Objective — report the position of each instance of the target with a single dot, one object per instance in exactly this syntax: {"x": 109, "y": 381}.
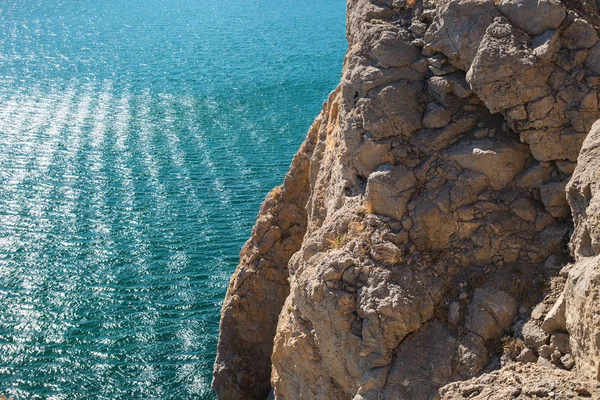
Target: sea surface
{"x": 137, "y": 140}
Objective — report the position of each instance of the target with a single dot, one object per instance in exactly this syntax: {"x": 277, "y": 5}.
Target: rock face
{"x": 428, "y": 211}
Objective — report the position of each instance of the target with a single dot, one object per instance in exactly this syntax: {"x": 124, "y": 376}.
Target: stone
{"x": 443, "y": 70}
{"x": 546, "y": 45}
{"x": 431, "y": 227}
{"x": 560, "y": 341}
{"x": 566, "y": 167}
{"x": 583, "y": 199}
{"x": 540, "y": 108}
{"x": 417, "y": 27}
{"x": 534, "y": 176}
{"x": 371, "y": 155}
{"x": 389, "y": 189}
{"x": 555, "y": 199}
{"x": 436, "y": 116}
{"x": 454, "y": 313}
{"x": 544, "y": 362}
{"x": 524, "y": 209}
{"x": 387, "y": 252}
{"x": 391, "y": 48}
{"x": 490, "y": 313}
{"x": 567, "y": 361}
{"x": 545, "y": 351}
{"x": 520, "y": 381}
{"x": 517, "y": 113}
{"x": 392, "y": 110}
{"x": 453, "y": 32}
{"x": 555, "y": 320}
{"x": 534, "y": 336}
{"x": 499, "y": 161}
{"x": 593, "y": 59}
{"x": 555, "y": 358}
{"x": 526, "y": 356}
{"x": 579, "y": 35}
{"x": 415, "y": 367}
{"x": 505, "y": 73}
{"x": 534, "y": 16}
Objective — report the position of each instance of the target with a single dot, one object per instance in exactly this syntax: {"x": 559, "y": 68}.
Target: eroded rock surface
{"x": 428, "y": 212}
{"x": 529, "y": 381}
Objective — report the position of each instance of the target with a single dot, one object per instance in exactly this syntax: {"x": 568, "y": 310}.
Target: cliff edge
{"x": 438, "y": 233}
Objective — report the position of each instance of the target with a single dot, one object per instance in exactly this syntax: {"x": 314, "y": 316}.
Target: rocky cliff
{"x": 438, "y": 233}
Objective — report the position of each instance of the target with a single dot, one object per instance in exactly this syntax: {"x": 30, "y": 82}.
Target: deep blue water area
{"x": 137, "y": 140}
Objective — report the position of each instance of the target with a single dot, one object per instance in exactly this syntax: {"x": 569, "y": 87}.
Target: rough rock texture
{"x": 582, "y": 291}
{"x": 529, "y": 381}
{"x": 427, "y": 213}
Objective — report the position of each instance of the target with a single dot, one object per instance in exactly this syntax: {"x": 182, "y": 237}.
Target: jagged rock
{"x": 389, "y": 189}
{"x": 593, "y": 59}
{"x": 555, "y": 358}
{"x": 490, "y": 313}
{"x": 565, "y": 166}
{"x": 560, "y": 341}
{"x": 525, "y": 209}
{"x": 371, "y": 155}
{"x": 432, "y": 228}
{"x": 567, "y": 361}
{"x": 527, "y": 381}
{"x": 390, "y": 47}
{"x": 534, "y": 176}
{"x": 453, "y": 32}
{"x": 534, "y": 16}
{"x": 499, "y": 161}
{"x": 436, "y": 116}
{"x": 555, "y": 320}
{"x": 387, "y": 252}
{"x": 393, "y": 110}
{"x": 454, "y": 313}
{"x": 545, "y": 351}
{"x": 555, "y": 199}
{"x": 544, "y": 362}
{"x": 580, "y": 34}
{"x": 416, "y": 367}
{"x": 534, "y": 336}
{"x": 583, "y": 315}
{"x": 505, "y": 73}
{"x": 526, "y": 356}
{"x": 582, "y": 196}
{"x": 545, "y": 46}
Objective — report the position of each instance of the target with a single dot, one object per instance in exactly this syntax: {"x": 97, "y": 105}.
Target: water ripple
{"x": 137, "y": 141}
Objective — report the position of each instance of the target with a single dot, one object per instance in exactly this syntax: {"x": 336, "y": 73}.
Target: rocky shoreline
{"x": 438, "y": 233}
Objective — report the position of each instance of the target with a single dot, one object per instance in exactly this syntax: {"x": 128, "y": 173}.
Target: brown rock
{"x": 389, "y": 189}
{"x": 490, "y": 313}
{"x": 505, "y": 73}
{"x": 499, "y": 161}
{"x": 453, "y": 32}
{"x": 555, "y": 199}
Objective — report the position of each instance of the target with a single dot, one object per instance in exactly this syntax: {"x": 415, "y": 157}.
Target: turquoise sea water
{"x": 137, "y": 140}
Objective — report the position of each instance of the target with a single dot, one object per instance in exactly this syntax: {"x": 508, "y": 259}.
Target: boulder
{"x": 458, "y": 28}
{"x": 534, "y": 16}
{"x": 505, "y": 73}
{"x": 490, "y": 314}
{"x": 389, "y": 189}
{"x": 500, "y": 161}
